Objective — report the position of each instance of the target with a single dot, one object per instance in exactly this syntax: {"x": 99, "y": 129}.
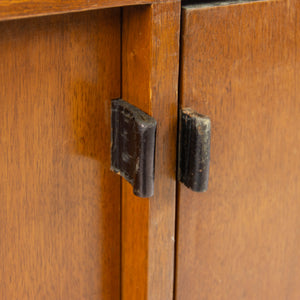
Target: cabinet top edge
{"x": 214, "y": 4}
{"x": 21, "y": 9}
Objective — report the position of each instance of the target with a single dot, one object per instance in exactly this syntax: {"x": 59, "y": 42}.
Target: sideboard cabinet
{"x": 73, "y": 229}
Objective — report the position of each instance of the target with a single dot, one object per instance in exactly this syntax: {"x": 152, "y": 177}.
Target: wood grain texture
{"x": 150, "y": 62}
{"x": 240, "y": 66}
{"x": 15, "y": 9}
{"x": 60, "y": 203}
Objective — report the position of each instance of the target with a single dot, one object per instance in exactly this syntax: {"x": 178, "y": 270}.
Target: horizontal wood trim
{"x": 27, "y": 8}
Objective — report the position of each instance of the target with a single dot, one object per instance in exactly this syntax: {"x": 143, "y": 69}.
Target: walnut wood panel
{"x": 241, "y": 239}
{"x": 14, "y": 9}
{"x": 60, "y": 203}
{"x": 149, "y": 81}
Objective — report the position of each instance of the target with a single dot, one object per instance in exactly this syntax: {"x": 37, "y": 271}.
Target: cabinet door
{"x": 59, "y": 201}
{"x": 240, "y": 66}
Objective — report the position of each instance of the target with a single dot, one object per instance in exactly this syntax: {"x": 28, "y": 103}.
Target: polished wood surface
{"x": 241, "y": 66}
{"x": 150, "y": 60}
{"x": 60, "y": 203}
{"x": 15, "y": 9}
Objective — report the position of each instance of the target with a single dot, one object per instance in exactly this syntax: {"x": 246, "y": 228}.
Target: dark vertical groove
{"x": 177, "y": 159}
{"x": 121, "y": 84}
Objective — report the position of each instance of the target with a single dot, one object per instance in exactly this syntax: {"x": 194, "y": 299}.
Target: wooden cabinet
{"x": 71, "y": 228}
{"x": 240, "y": 239}
{"x": 60, "y": 207}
